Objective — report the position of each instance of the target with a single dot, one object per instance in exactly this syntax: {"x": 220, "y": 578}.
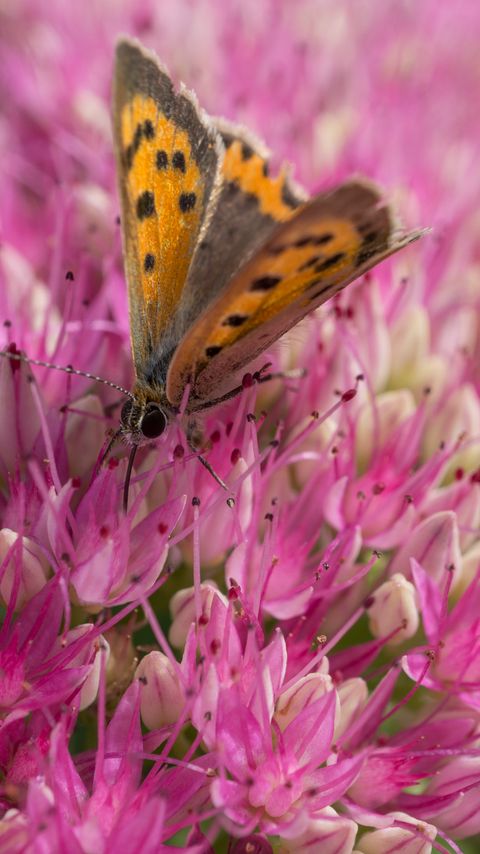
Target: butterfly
{"x": 221, "y": 258}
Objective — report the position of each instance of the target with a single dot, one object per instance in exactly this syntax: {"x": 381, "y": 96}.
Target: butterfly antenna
{"x": 15, "y": 355}
{"x": 126, "y": 485}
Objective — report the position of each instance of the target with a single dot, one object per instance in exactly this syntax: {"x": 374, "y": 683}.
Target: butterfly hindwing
{"x": 327, "y": 243}
{"x": 168, "y": 161}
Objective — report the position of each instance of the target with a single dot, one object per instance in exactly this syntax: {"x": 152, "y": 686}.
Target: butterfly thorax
{"x": 146, "y": 414}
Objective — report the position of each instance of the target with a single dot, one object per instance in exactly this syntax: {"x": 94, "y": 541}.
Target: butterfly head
{"x": 143, "y": 420}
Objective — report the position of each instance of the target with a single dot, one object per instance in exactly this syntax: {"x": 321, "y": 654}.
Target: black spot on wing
{"x": 137, "y": 137}
{"x": 187, "y": 201}
{"x": 178, "y": 161}
{"x": 145, "y": 205}
{"x": 235, "y": 320}
{"x": 213, "y": 350}
{"x": 161, "y": 159}
{"x": 322, "y": 239}
{"x": 247, "y": 151}
{"x": 265, "y": 283}
{"x": 323, "y": 266}
{"x": 148, "y": 129}
{"x": 319, "y": 293}
{"x": 149, "y": 262}
{"x": 314, "y": 240}
{"x": 128, "y": 154}
{"x": 310, "y": 263}
{"x": 306, "y": 240}
{"x": 288, "y": 198}
{"x": 371, "y": 245}
{"x": 365, "y": 254}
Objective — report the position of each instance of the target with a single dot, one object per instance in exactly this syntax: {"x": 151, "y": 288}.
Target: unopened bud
{"x": 328, "y": 831}
{"x": 84, "y": 434}
{"x": 182, "y": 609}
{"x": 89, "y": 691}
{"x": 301, "y": 694}
{"x": 122, "y": 659}
{"x": 460, "y": 817}
{"x": 409, "y": 336}
{"x": 353, "y": 696}
{"x": 161, "y": 695}
{"x": 394, "y": 610}
{"x": 26, "y": 570}
{"x": 376, "y": 425}
{"x": 459, "y": 416}
{"x": 393, "y": 839}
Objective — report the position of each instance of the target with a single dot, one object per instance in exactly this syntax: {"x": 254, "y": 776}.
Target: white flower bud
{"x": 301, "y": 694}
{"x": 458, "y": 417}
{"x": 353, "y": 696}
{"x": 432, "y": 374}
{"x": 122, "y": 660}
{"x": 84, "y": 435}
{"x": 92, "y": 217}
{"x": 394, "y": 607}
{"x": 312, "y": 447}
{"x": 27, "y": 560}
{"x": 329, "y": 833}
{"x": 182, "y": 609}
{"x": 99, "y": 646}
{"x": 89, "y": 691}
{"x": 434, "y": 543}
{"x": 410, "y": 337}
{"x": 376, "y": 425}
{"x": 393, "y": 839}
{"x": 161, "y": 695}
{"x": 470, "y": 566}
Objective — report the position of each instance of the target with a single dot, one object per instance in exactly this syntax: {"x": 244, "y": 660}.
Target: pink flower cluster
{"x": 297, "y": 670}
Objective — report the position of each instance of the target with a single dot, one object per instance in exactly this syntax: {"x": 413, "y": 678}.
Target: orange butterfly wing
{"x": 326, "y": 244}
{"x": 169, "y": 166}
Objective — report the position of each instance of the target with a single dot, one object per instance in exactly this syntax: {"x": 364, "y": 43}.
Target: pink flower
{"x": 40, "y": 668}
{"x": 273, "y": 779}
{"x": 454, "y": 640}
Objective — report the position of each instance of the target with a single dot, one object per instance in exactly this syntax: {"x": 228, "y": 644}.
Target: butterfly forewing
{"x": 325, "y": 245}
{"x": 168, "y": 161}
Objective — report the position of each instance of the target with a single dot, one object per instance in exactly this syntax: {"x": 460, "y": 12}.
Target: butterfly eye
{"x": 153, "y": 422}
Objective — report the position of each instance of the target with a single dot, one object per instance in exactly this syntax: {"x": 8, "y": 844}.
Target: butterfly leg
{"x": 294, "y": 374}
{"x": 194, "y": 439}
{"x": 251, "y": 379}
{"x": 212, "y": 471}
